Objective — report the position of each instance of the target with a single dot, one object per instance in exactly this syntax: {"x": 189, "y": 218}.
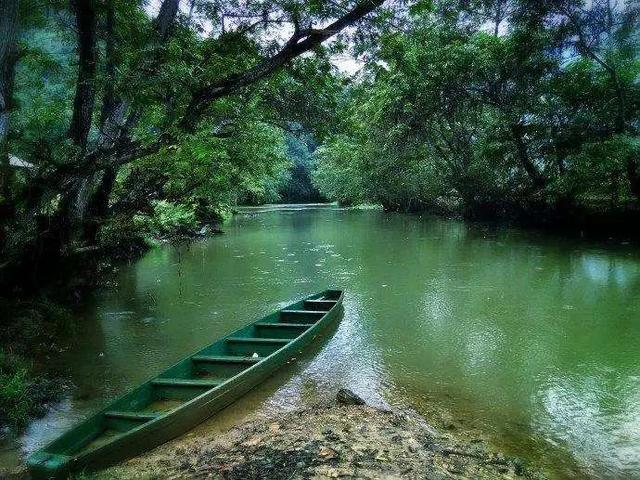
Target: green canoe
{"x": 189, "y": 392}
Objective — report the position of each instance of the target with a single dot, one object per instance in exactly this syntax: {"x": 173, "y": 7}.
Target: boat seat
{"x": 303, "y": 312}
{"x": 124, "y": 421}
{"x": 321, "y": 305}
{"x": 182, "y": 388}
{"x": 186, "y": 382}
{"x": 223, "y": 366}
{"x": 283, "y": 325}
{"x": 254, "y": 346}
{"x": 137, "y": 416}
{"x": 289, "y": 331}
{"x": 300, "y": 316}
{"x": 270, "y": 341}
{"x": 224, "y": 359}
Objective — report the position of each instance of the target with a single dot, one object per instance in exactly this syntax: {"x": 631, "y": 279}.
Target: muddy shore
{"x": 332, "y": 440}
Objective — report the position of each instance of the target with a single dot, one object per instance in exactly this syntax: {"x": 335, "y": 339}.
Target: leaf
{"x": 420, "y": 7}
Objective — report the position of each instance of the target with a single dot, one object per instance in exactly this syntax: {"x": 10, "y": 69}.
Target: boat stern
{"x": 44, "y": 465}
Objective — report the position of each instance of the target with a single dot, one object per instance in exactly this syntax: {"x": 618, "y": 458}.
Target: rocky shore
{"x": 344, "y": 439}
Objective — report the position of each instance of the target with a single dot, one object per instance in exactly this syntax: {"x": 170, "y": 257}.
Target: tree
{"x": 149, "y": 88}
{"x": 497, "y": 107}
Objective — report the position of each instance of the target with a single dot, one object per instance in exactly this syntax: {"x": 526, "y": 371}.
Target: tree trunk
{"x": 166, "y": 17}
{"x": 108, "y": 99}
{"x": 114, "y": 108}
{"x": 634, "y": 178}
{"x": 115, "y": 125}
{"x": 8, "y": 58}
{"x": 85, "y": 88}
{"x": 99, "y": 205}
{"x": 77, "y": 188}
{"x": 523, "y": 156}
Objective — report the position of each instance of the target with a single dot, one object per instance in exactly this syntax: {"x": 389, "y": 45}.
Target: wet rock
{"x": 347, "y": 397}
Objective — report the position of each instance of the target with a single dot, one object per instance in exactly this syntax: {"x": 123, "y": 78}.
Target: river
{"x": 526, "y": 338}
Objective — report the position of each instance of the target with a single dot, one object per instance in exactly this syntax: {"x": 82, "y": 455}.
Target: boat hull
{"x": 44, "y": 464}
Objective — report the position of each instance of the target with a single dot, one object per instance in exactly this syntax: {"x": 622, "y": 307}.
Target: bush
{"x": 14, "y": 388}
{"x": 22, "y": 395}
{"x": 34, "y": 331}
{"x": 125, "y": 236}
{"x": 171, "y": 219}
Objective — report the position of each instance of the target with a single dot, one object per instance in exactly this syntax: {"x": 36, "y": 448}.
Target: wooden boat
{"x": 189, "y": 392}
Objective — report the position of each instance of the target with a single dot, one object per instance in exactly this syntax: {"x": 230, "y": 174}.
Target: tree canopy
{"x": 494, "y": 106}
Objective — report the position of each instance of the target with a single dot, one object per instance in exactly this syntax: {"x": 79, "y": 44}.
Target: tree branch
{"x": 301, "y": 42}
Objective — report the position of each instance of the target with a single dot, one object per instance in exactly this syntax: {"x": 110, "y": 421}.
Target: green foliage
{"x": 14, "y": 391}
{"x": 169, "y": 219}
{"x": 338, "y": 175}
{"x": 125, "y": 235}
{"x": 23, "y": 395}
{"x": 420, "y": 7}
{"x": 43, "y": 94}
{"x": 195, "y": 174}
{"x": 451, "y": 114}
{"x": 295, "y": 185}
{"x": 209, "y": 173}
{"x": 30, "y": 329}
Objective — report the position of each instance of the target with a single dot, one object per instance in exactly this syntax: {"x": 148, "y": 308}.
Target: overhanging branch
{"x": 302, "y": 41}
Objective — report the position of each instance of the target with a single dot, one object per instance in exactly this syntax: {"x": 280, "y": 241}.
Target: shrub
{"x": 125, "y": 235}
{"x": 22, "y": 395}
{"x": 170, "y": 219}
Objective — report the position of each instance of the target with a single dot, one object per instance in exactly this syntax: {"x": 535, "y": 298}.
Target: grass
{"x": 23, "y": 395}
{"x": 14, "y": 391}
{"x": 32, "y": 333}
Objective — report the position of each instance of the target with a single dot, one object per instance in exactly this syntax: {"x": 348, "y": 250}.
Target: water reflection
{"x": 531, "y": 338}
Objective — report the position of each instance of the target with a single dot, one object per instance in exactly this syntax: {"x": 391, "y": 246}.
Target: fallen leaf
{"x": 274, "y": 427}
{"x": 252, "y": 442}
{"x": 327, "y": 453}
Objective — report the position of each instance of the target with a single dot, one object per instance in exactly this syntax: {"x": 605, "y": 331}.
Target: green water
{"x": 527, "y": 339}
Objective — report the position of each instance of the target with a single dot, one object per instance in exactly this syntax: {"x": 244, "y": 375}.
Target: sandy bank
{"x": 327, "y": 441}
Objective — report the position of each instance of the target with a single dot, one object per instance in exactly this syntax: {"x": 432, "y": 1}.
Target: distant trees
{"x": 494, "y": 107}
{"x": 296, "y": 185}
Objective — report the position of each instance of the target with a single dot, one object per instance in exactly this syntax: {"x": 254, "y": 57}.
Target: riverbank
{"x": 330, "y": 440}
{"x": 31, "y": 336}
{"x": 37, "y": 318}
{"x": 596, "y": 220}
